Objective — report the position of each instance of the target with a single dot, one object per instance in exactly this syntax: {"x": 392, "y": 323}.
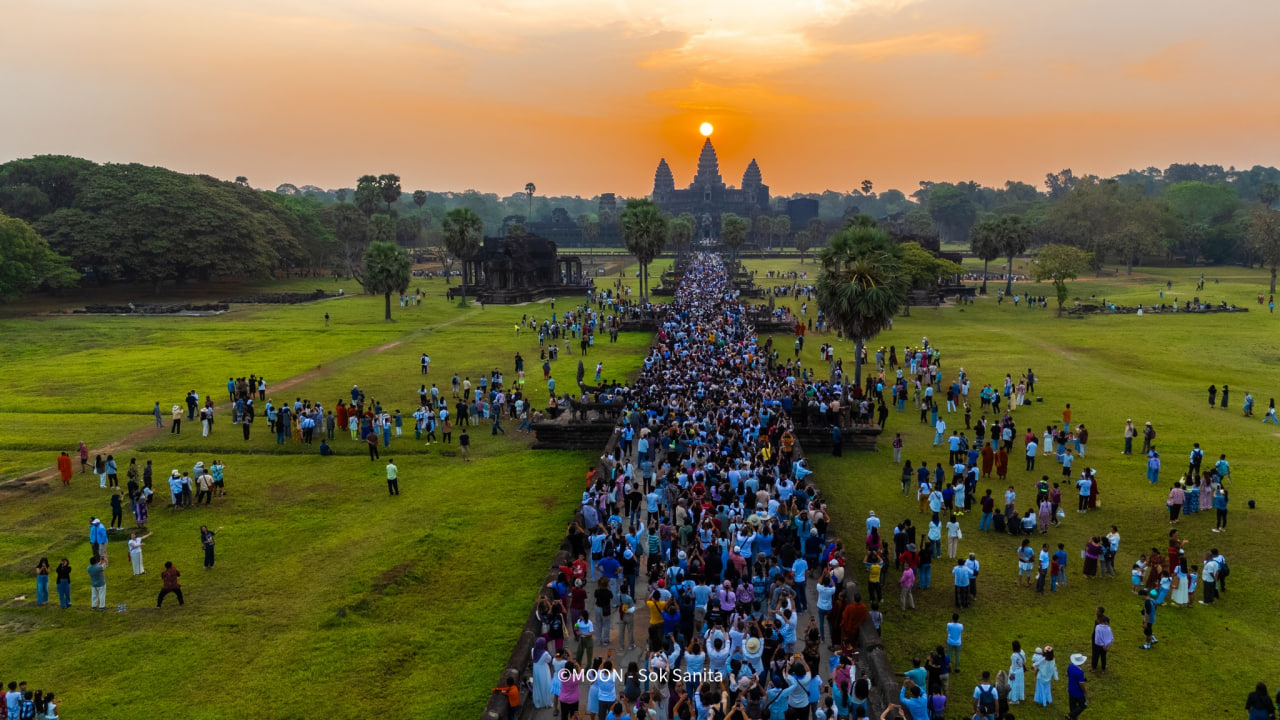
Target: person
{"x": 1259, "y": 704}
{"x": 63, "y": 572}
{"x": 955, "y": 633}
{"x": 98, "y": 538}
{"x": 50, "y": 707}
{"x": 985, "y": 697}
{"x": 169, "y": 584}
{"x": 325, "y": 450}
{"x": 512, "y": 690}
{"x": 1046, "y": 672}
{"x": 42, "y": 581}
{"x": 542, "y": 661}
{"x": 1102, "y": 639}
{"x": 913, "y": 700}
{"x": 1149, "y": 605}
{"x": 464, "y": 444}
{"x": 1220, "y": 499}
{"x": 97, "y": 584}
{"x": 135, "y": 552}
{"x": 1017, "y": 674}
{"x": 326, "y": 319}
{"x": 1077, "y": 688}
{"x": 206, "y": 541}
{"x": 64, "y": 468}
{"x": 393, "y": 477}
{"x": 371, "y": 439}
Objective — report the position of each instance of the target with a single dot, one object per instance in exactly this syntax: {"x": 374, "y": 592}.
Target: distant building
{"x": 521, "y": 269}
{"x": 801, "y": 211}
{"x": 560, "y": 229}
{"x": 708, "y": 195}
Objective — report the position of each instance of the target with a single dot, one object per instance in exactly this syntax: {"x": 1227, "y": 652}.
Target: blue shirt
{"x": 1075, "y": 676}
{"x": 800, "y": 567}
{"x": 954, "y": 631}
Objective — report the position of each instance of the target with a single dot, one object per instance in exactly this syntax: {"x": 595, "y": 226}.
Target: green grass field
{"x": 323, "y": 582}
{"x": 409, "y": 605}
{"x": 1109, "y": 368}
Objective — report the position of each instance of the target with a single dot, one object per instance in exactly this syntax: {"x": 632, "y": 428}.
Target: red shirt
{"x": 170, "y": 578}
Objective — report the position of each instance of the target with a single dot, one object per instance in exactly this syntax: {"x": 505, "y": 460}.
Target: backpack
{"x": 986, "y": 698}
{"x": 1223, "y": 570}
{"x": 28, "y": 710}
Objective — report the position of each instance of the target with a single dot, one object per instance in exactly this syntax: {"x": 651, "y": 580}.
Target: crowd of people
{"x": 704, "y": 522}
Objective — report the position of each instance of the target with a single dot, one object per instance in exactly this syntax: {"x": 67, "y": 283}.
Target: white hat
{"x": 1077, "y": 659}
{"x": 752, "y": 645}
{"x": 871, "y": 514}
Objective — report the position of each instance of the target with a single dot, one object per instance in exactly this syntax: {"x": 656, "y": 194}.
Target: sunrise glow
{"x": 705, "y": 129}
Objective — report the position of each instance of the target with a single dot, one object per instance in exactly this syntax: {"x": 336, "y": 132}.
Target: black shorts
{"x": 1066, "y": 471}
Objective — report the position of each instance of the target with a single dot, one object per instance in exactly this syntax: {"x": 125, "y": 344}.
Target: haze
{"x": 585, "y": 97}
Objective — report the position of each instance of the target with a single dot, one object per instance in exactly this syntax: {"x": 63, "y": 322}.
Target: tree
{"x": 386, "y": 271}
{"x": 242, "y": 181}
{"x": 680, "y": 233}
{"x": 351, "y": 229}
{"x": 803, "y": 241}
{"x": 1014, "y": 235}
{"x": 368, "y": 194}
{"x": 984, "y": 241}
{"x": 922, "y": 269}
{"x": 462, "y": 228}
{"x": 782, "y": 229}
{"x": 27, "y": 262}
{"x": 389, "y": 189}
{"x": 644, "y": 232}
{"x": 1269, "y": 193}
{"x": 341, "y": 195}
{"x": 419, "y": 198}
{"x": 861, "y": 286}
{"x": 1060, "y": 263}
{"x": 1264, "y": 239}
{"x": 529, "y": 190}
{"x": 1203, "y": 215}
{"x": 733, "y": 232}
{"x": 408, "y": 231}
{"x": 762, "y": 228}
{"x": 1060, "y": 183}
{"x": 381, "y": 229}
{"x": 952, "y": 212}
{"x": 867, "y": 187}
{"x": 590, "y": 227}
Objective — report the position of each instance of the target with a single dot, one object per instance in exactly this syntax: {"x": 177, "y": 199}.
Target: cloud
{"x": 1170, "y": 64}
{"x": 968, "y": 43}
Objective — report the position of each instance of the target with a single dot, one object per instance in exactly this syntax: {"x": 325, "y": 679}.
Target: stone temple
{"x": 708, "y": 195}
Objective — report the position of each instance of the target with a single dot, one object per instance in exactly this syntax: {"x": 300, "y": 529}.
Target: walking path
{"x": 711, "y": 442}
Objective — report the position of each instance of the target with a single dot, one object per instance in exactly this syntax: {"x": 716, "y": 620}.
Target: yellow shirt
{"x": 655, "y": 611}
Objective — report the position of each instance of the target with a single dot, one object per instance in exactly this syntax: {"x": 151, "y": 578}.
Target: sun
{"x": 705, "y": 129}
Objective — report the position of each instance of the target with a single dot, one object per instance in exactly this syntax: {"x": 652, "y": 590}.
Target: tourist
{"x": 1077, "y": 691}
{"x": 1259, "y": 703}
{"x": 393, "y": 477}
{"x": 1046, "y": 672}
{"x": 98, "y": 539}
{"x": 206, "y": 541}
{"x": 97, "y": 584}
{"x": 135, "y": 552}
{"x": 169, "y": 584}
{"x": 42, "y": 581}
{"x": 63, "y": 572}
{"x": 1017, "y": 674}
{"x": 1149, "y": 605}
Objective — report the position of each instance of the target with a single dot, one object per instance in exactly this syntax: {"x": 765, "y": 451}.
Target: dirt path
{"x": 49, "y": 474}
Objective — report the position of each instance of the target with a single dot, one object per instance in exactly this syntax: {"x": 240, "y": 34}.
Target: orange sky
{"x": 584, "y": 97}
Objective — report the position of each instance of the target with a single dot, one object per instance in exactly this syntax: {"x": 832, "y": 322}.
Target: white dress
{"x": 135, "y": 555}
{"x": 1017, "y": 677}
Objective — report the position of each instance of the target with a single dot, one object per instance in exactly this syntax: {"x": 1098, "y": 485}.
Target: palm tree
{"x": 984, "y": 241}
{"x": 386, "y": 271}
{"x": 803, "y": 242}
{"x": 461, "y": 229}
{"x": 644, "y": 232}
{"x": 782, "y": 228}
{"x": 1014, "y": 236}
{"x": 860, "y": 287}
{"x": 529, "y": 190}
{"x": 733, "y": 232}
{"x": 419, "y": 198}
{"x": 680, "y": 233}
{"x": 763, "y": 227}
{"x": 389, "y": 189}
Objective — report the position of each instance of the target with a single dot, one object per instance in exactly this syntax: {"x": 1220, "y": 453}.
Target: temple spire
{"x": 708, "y": 166}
